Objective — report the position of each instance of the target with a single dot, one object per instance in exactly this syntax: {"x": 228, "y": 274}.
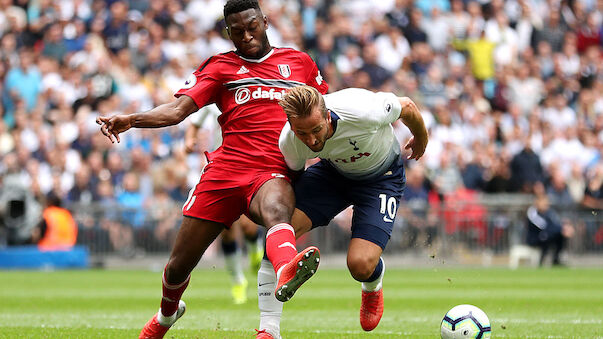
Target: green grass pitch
{"x": 529, "y": 303}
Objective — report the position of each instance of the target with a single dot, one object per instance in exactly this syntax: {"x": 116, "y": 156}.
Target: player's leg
{"x": 559, "y": 244}
{"x": 232, "y": 261}
{"x": 193, "y": 238}
{"x": 366, "y": 265}
{"x": 273, "y": 205}
{"x": 376, "y": 203}
{"x": 317, "y": 197}
{"x": 271, "y": 308}
{"x": 255, "y": 245}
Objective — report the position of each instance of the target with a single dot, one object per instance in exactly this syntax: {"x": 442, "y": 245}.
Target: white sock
{"x": 166, "y": 321}
{"x": 270, "y": 308}
{"x": 234, "y": 267}
{"x": 376, "y": 285}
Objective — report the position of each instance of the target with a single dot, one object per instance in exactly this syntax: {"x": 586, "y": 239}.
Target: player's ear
{"x": 265, "y": 22}
{"x": 228, "y": 31}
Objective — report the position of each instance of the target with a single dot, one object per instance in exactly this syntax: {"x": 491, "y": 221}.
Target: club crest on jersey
{"x": 190, "y": 81}
{"x": 285, "y": 70}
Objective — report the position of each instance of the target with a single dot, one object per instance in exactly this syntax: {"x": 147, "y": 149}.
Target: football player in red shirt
{"x": 247, "y": 174}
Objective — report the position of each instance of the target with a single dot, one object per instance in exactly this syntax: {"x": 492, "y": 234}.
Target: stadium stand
{"x": 511, "y": 92}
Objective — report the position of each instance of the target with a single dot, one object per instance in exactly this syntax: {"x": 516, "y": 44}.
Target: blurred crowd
{"x": 511, "y": 92}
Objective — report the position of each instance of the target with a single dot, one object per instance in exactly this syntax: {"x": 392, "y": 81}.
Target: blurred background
{"x": 511, "y": 93}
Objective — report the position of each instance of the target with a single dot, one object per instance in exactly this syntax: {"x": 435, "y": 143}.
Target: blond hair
{"x": 300, "y": 101}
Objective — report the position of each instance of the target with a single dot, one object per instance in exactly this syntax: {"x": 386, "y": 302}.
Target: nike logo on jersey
{"x": 287, "y": 244}
{"x": 388, "y": 173}
{"x": 277, "y": 175}
{"x": 243, "y": 70}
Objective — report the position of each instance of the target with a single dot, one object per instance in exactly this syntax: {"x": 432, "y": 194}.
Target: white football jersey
{"x": 363, "y": 145}
{"x": 207, "y": 118}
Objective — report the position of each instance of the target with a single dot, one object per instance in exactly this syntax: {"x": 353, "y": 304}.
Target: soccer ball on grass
{"x": 465, "y": 321}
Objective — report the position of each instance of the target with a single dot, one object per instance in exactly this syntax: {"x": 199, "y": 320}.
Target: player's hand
{"x": 417, "y": 146}
{"x": 190, "y": 144}
{"x": 112, "y": 126}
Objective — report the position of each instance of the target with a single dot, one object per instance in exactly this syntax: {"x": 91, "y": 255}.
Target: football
{"x": 465, "y": 321}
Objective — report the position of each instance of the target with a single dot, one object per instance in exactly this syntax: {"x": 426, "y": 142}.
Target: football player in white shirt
{"x": 361, "y": 165}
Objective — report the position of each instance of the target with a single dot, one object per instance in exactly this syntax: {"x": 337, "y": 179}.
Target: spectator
{"x": 419, "y": 220}
{"x": 481, "y": 56}
{"x": 54, "y": 46}
{"x": 498, "y": 177}
{"x": 427, "y": 6}
{"x": 526, "y": 170}
{"x": 83, "y": 192}
{"x": 377, "y": 74}
{"x": 116, "y": 30}
{"x": 438, "y": 29}
{"x": 393, "y": 48}
{"x": 75, "y": 36}
{"x": 525, "y": 90}
{"x": 557, "y": 190}
{"x": 398, "y": 16}
{"x": 132, "y": 201}
{"x": 552, "y": 31}
{"x": 23, "y": 83}
{"x": 414, "y": 31}
{"x": 58, "y": 229}
{"x": 589, "y": 33}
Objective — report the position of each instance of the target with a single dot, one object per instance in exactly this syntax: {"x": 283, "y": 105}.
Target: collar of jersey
{"x": 334, "y": 120}
{"x": 258, "y": 60}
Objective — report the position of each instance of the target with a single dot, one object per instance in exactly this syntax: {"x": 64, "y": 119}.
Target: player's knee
{"x": 276, "y": 213}
{"x": 176, "y": 271}
{"x": 361, "y": 268}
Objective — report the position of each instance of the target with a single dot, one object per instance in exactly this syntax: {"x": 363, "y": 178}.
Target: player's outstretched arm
{"x": 163, "y": 115}
{"x": 412, "y": 118}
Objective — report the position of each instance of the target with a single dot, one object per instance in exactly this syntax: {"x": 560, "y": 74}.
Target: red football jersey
{"x": 247, "y": 92}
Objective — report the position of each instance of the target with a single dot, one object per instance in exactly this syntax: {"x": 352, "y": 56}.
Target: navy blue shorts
{"x": 322, "y": 192}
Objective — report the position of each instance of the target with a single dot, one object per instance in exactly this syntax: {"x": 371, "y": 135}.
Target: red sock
{"x": 171, "y": 296}
{"x": 280, "y": 245}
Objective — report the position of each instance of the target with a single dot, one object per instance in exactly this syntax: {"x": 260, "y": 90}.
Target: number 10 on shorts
{"x": 387, "y": 206}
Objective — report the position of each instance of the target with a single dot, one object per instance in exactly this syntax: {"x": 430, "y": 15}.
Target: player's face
{"x": 247, "y": 30}
{"x": 313, "y": 130}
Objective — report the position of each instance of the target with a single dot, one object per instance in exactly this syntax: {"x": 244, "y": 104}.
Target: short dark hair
{"x": 236, "y": 6}
{"x": 52, "y": 199}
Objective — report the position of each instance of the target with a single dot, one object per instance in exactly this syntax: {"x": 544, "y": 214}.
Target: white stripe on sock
{"x": 278, "y": 227}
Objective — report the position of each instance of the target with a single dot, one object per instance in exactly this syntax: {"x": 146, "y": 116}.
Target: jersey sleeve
{"x": 294, "y": 156}
{"x": 387, "y": 107}
{"x": 366, "y": 107}
{"x": 314, "y": 78}
{"x": 202, "y": 85}
{"x": 207, "y": 112}
{"x": 197, "y": 119}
